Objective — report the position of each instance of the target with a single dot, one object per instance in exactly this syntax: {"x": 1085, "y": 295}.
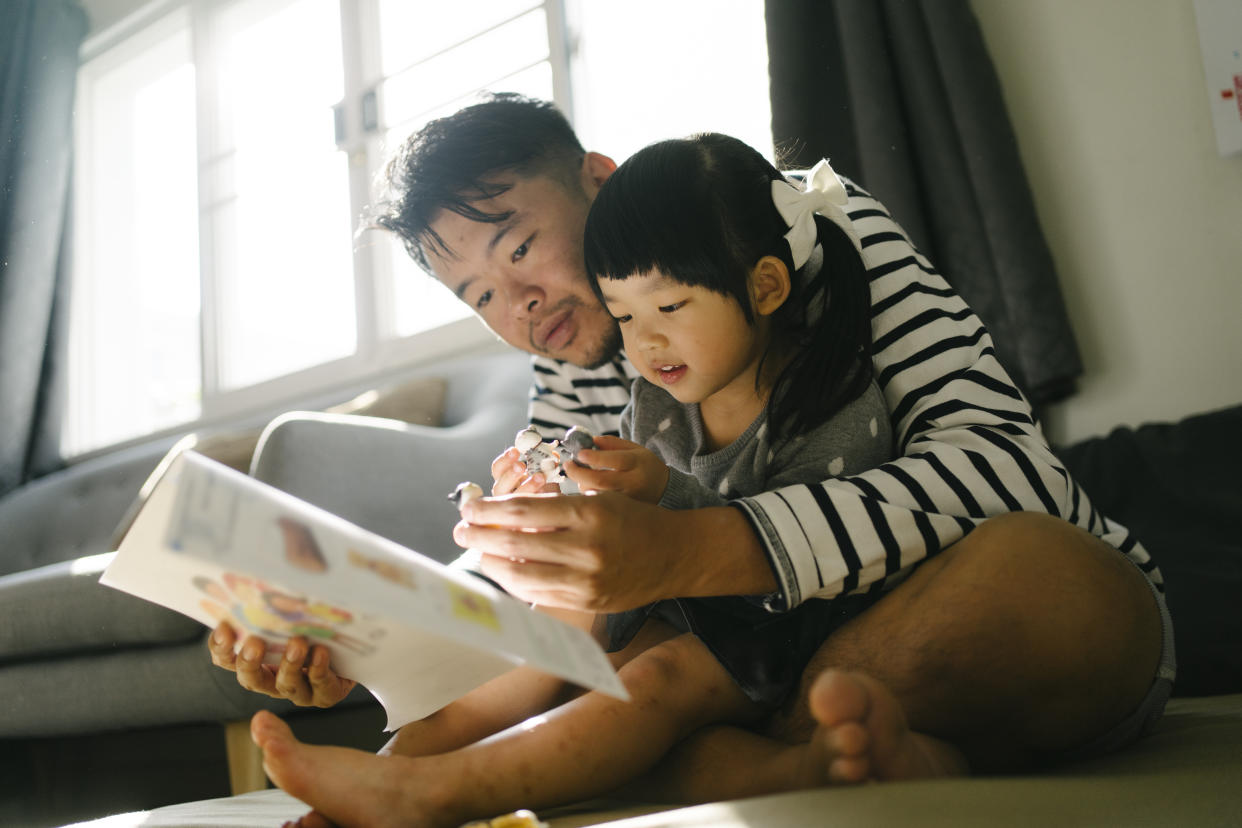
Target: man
{"x": 1004, "y": 638}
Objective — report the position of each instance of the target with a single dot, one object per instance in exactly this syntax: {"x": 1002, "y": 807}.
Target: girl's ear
{"x": 769, "y": 285}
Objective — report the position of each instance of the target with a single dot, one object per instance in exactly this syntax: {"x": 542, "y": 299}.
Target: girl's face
{"x": 692, "y": 342}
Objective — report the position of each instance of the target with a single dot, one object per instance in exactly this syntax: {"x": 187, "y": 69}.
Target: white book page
{"x": 217, "y": 545}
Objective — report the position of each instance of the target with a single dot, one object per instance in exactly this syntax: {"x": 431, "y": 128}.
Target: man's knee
{"x": 1026, "y": 595}
{"x": 1027, "y": 553}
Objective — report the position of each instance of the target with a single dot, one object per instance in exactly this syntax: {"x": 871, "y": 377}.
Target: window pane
{"x": 413, "y": 32}
{"x": 280, "y": 220}
{"x": 420, "y": 301}
{"x": 483, "y": 62}
{"x": 510, "y": 58}
{"x": 682, "y": 77}
{"x": 134, "y": 334}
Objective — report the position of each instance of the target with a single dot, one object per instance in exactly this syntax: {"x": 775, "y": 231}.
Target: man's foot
{"x": 312, "y": 820}
{"x": 862, "y": 735}
{"x": 347, "y": 787}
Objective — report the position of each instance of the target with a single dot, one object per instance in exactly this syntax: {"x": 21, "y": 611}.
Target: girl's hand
{"x": 509, "y": 476}
{"x": 617, "y": 465}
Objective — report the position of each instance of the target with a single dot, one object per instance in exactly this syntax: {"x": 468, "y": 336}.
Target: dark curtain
{"x": 901, "y": 95}
{"x": 38, "y": 65}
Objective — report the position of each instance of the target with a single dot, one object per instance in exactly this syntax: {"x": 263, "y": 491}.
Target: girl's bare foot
{"x": 348, "y": 787}
{"x": 862, "y": 735}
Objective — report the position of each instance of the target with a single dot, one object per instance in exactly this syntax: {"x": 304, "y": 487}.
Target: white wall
{"x": 1144, "y": 218}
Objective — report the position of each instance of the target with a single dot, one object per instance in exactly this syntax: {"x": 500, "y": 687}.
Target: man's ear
{"x": 769, "y": 285}
{"x": 595, "y": 171}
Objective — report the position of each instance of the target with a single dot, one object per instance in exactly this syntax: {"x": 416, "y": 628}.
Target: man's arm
{"x": 967, "y": 443}
{"x": 606, "y": 552}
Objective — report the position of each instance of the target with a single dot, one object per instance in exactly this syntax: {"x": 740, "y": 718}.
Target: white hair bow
{"x": 824, "y": 194}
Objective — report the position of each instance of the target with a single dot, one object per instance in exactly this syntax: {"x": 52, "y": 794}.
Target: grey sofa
{"x": 1175, "y": 484}
{"x": 79, "y": 658}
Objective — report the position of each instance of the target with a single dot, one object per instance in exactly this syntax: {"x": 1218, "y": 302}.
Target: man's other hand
{"x": 303, "y": 676}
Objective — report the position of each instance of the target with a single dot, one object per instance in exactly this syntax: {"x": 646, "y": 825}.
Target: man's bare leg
{"x": 862, "y": 735}
{"x": 583, "y": 748}
{"x": 1027, "y": 637}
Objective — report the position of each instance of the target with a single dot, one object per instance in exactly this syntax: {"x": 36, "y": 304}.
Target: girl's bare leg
{"x": 509, "y": 699}
{"x": 586, "y": 747}
{"x": 490, "y": 708}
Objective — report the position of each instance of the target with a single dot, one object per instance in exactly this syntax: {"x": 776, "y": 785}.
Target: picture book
{"x": 217, "y": 545}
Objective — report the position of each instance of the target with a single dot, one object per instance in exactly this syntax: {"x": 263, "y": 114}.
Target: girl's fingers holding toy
{"x": 607, "y": 442}
{"x": 508, "y": 473}
{"x": 536, "y": 484}
{"x": 590, "y": 478}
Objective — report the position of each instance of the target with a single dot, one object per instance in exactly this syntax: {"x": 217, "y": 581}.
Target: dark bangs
{"x": 663, "y": 210}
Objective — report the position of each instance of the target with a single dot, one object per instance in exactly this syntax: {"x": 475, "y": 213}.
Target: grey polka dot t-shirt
{"x": 857, "y": 438}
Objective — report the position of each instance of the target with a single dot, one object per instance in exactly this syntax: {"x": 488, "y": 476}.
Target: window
{"x": 226, "y": 148}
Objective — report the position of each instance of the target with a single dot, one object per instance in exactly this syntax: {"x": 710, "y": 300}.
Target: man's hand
{"x": 617, "y": 465}
{"x": 303, "y": 676}
{"x": 605, "y": 552}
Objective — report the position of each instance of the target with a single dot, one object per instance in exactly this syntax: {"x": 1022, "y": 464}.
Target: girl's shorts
{"x": 764, "y": 652}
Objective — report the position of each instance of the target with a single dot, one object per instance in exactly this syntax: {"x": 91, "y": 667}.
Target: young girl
{"x": 754, "y": 367}
{"x": 755, "y": 374}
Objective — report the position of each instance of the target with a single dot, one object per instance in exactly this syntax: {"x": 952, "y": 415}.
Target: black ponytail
{"x": 826, "y": 326}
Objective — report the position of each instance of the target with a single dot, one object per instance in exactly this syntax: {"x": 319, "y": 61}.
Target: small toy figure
{"x": 577, "y": 439}
{"x": 464, "y": 493}
{"x": 518, "y": 819}
{"x": 539, "y": 457}
{"x": 547, "y": 457}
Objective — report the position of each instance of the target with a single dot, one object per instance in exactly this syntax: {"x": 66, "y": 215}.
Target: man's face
{"x": 525, "y": 276}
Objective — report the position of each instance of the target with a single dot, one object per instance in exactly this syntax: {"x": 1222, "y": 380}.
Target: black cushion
{"x": 1178, "y": 487}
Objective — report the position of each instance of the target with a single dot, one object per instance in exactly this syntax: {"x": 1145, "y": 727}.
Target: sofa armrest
{"x": 388, "y": 477}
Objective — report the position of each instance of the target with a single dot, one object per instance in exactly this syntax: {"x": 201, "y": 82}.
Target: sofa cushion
{"x": 71, "y": 513}
{"x": 418, "y": 401}
{"x": 62, "y": 608}
{"x": 1176, "y": 487}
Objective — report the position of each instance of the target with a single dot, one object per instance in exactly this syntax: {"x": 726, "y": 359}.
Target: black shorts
{"x": 764, "y": 652}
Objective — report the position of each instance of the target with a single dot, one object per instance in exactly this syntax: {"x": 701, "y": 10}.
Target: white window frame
{"x": 379, "y": 352}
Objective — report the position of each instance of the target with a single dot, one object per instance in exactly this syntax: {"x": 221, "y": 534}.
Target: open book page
{"x": 216, "y": 545}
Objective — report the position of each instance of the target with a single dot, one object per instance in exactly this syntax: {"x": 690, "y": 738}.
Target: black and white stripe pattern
{"x": 966, "y": 441}
{"x": 564, "y": 395}
{"x": 968, "y": 446}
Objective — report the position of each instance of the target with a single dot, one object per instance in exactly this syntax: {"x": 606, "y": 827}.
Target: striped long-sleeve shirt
{"x": 967, "y": 445}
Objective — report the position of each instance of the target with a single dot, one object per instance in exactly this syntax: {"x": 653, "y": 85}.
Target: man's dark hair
{"x": 452, "y": 163}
